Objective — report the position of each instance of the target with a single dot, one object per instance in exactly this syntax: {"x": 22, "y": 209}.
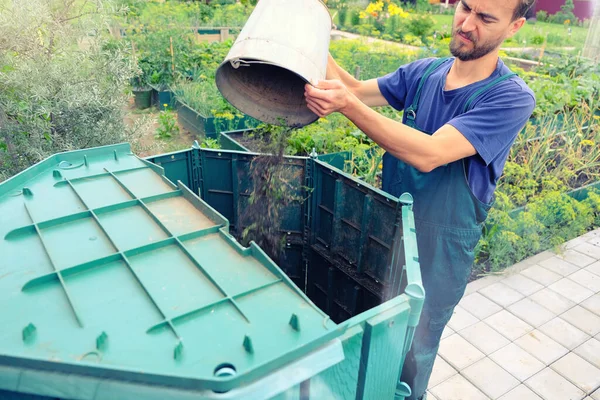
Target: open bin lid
{"x": 110, "y": 270}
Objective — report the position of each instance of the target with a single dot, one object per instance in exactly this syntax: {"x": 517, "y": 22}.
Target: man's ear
{"x": 515, "y": 26}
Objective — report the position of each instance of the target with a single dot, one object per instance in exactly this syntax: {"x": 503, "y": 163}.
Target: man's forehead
{"x": 494, "y": 7}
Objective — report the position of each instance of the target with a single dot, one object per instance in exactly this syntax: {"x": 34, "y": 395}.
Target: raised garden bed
{"x": 209, "y": 127}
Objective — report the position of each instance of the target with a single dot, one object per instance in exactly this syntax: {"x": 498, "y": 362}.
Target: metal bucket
{"x": 283, "y": 45}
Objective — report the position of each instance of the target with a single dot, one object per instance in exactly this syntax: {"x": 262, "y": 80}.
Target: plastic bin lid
{"x": 110, "y": 270}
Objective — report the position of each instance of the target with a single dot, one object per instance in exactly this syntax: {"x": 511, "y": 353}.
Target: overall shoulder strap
{"x": 486, "y": 88}
{"x": 411, "y": 111}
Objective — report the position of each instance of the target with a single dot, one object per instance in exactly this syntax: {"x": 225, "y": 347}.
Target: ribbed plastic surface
{"x": 110, "y": 270}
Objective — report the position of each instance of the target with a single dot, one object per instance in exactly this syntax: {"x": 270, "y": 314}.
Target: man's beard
{"x": 477, "y": 51}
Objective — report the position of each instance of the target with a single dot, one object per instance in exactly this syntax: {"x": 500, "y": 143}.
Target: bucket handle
{"x": 243, "y": 63}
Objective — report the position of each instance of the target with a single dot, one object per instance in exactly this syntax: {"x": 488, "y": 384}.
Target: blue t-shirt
{"x": 491, "y": 124}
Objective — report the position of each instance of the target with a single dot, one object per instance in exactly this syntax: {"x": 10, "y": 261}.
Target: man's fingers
{"x": 328, "y": 84}
{"x": 317, "y": 108}
{"x": 315, "y": 105}
{"x": 310, "y": 91}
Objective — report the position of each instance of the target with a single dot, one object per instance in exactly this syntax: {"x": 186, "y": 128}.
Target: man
{"x": 461, "y": 116}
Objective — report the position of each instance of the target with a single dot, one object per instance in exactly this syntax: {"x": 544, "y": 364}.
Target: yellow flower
{"x": 567, "y": 21}
{"x": 395, "y": 10}
{"x": 374, "y": 8}
{"x": 165, "y": 105}
{"x": 586, "y": 143}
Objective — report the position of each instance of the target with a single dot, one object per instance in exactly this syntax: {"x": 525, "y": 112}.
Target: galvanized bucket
{"x": 283, "y": 45}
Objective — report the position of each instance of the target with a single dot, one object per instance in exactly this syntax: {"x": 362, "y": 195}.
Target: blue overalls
{"x": 448, "y": 220}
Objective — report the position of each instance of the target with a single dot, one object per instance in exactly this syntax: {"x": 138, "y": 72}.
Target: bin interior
{"x": 340, "y": 242}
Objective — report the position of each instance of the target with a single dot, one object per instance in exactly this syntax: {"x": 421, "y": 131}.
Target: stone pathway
{"x": 531, "y": 334}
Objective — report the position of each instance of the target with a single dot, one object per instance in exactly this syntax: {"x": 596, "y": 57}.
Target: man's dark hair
{"x": 522, "y": 7}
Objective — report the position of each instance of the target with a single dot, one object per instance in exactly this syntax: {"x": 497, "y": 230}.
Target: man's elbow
{"x": 427, "y": 164}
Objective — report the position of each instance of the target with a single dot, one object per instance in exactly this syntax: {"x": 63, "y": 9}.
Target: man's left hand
{"x": 327, "y": 96}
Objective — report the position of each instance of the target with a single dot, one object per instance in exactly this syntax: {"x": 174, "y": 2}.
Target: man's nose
{"x": 468, "y": 24}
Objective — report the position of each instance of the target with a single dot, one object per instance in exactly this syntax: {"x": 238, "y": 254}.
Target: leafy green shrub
{"x": 546, "y": 222}
{"x": 167, "y": 125}
{"x": 420, "y": 25}
{"x": 537, "y": 39}
{"x": 61, "y": 88}
{"x": 210, "y": 143}
{"x": 541, "y": 16}
{"x": 565, "y": 15}
{"x": 342, "y": 16}
{"x": 354, "y": 16}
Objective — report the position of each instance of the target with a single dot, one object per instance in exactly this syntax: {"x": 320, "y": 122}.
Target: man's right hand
{"x": 366, "y": 91}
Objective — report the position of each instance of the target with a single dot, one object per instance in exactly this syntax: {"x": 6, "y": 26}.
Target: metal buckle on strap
{"x": 411, "y": 114}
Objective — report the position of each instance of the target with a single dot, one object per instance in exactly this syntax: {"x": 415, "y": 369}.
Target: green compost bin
{"x": 121, "y": 283}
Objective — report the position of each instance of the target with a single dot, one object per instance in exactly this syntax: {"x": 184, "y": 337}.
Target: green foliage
{"x": 546, "y": 222}
{"x": 62, "y": 81}
{"x": 374, "y": 59}
{"x": 355, "y": 16}
{"x": 210, "y": 143}
{"x": 204, "y": 97}
{"x": 420, "y": 25}
{"x": 565, "y": 15}
{"x": 541, "y": 16}
{"x": 167, "y": 124}
{"x": 342, "y": 16}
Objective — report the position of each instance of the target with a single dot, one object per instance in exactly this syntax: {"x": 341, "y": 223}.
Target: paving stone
{"x": 583, "y": 319}
{"x": 531, "y": 312}
{"x": 447, "y": 332}
{"x": 574, "y": 242}
{"x": 461, "y": 319}
{"x": 551, "y": 386}
{"x": 594, "y": 268}
{"x": 541, "y": 275}
{"x": 522, "y": 284}
{"x": 481, "y": 283}
{"x": 544, "y": 255}
{"x": 488, "y": 377}
{"x": 458, "y": 352}
{"x": 586, "y": 279}
{"x": 559, "y": 266}
{"x": 501, "y": 294}
{"x": 564, "y": 333}
{"x": 457, "y": 388}
{"x": 578, "y": 371}
{"x": 517, "y": 362}
{"x": 542, "y": 347}
{"x": 441, "y": 371}
{"x": 596, "y": 395}
{"x": 595, "y": 240}
{"x": 576, "y": 257}
{"x": 553, "y": 301}
{"x": 521, "y": 392}
{"x": 430, "y": 396}
{"x": 508, "y": 325}
{"x": 592, "y": 234}
{"x": 590, "y": 351}
{"x": 592, "y": 304}
{"x": 589, "y": 250}
{"x": 571, "y": 290}
{"x": 478, "y": 305}
{"x": 482, "y": 336}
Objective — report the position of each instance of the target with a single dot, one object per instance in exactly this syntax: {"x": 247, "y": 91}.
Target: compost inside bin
{"x": 267, "y": 92}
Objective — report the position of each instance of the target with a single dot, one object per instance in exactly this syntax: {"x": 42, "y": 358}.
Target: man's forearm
{"x": 403, "y": 142}
{"x": 334, "y": 71}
